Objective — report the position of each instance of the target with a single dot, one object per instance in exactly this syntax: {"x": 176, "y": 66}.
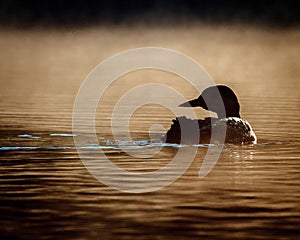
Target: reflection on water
{"x": 46, "y": 192}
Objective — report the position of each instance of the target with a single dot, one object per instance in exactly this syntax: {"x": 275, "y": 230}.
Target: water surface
{"x": 46, "y": 192}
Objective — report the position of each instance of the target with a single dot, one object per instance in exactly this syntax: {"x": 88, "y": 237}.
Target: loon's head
{"x": 227, "y": 106}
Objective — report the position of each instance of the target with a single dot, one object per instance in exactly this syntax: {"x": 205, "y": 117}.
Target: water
{"x": 47, "y": 193}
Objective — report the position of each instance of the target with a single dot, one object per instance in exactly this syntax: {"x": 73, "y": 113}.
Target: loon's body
{"x": 227, "y": 128}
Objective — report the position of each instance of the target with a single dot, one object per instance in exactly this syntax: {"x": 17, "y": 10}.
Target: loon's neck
{"x": 231, "y": 110}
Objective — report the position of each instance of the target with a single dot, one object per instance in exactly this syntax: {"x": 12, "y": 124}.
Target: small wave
{"x": 28, "y": 136}
{"x": 104, "y": 144}
{"x": 14, "y": 148}
{"x": 138, "y": 144}
{"x": 123, "y": 146}
{"x": 63, "y": 135}
{"x": 25, "y": 135}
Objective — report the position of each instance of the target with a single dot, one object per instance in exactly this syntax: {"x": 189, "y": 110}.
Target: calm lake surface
{"x": 47, "y": 193}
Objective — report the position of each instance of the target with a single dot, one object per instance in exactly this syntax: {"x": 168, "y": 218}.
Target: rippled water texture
{"x": 47, "y": 193}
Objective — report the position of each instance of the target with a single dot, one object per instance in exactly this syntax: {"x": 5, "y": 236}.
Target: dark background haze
{"x": 66, "y": 13}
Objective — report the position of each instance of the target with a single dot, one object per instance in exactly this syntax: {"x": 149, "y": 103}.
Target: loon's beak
{"x": 198, "y": 102}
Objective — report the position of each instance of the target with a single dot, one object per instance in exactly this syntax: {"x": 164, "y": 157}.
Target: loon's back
{"x": 238, "y": 131}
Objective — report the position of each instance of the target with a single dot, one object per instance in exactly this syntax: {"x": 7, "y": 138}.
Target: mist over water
{"x": 46, "y": 192}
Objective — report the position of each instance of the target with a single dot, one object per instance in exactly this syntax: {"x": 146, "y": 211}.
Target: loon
{"x": 238, "y": 130}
